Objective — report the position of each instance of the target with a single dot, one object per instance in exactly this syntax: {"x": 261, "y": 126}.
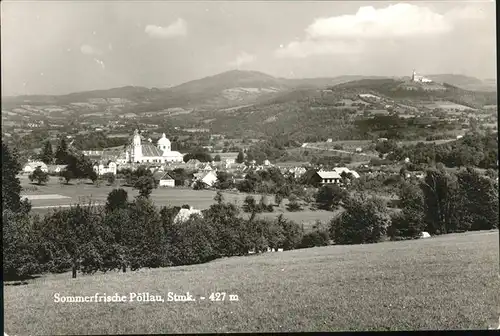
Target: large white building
{"x": 420, "y": 79}
{"x": 146, "y": 152}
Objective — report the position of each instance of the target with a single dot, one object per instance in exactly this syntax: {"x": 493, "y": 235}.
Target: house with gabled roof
{"x": 165, "y": 180}
{"x": 207, "y": 177}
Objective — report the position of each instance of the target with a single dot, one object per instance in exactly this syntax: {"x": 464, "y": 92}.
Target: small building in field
{"x": 31, "y": 166}
{"x": 166, "y": 181}
{"x": 327, "y": 177}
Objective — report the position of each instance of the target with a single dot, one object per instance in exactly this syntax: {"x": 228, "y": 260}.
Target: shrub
{"x": 39, "y": 175}
{"x": 315, "y": 238}
{"x": 365, "y": 220}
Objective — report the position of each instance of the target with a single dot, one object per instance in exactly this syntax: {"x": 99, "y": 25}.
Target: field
{"x": 54, "y": 195}
{"x": 446, "y": 105}
{"x": 446, "y": 282}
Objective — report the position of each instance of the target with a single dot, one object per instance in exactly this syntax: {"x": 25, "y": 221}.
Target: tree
{"x": 75, "y": 235}
{"x": 240, "y": 158}
{"x": 219, "y": 198}
{"x": 441, "y": 204}
{"x": 199, "y": 154}
{"x": 145, "y": 185}
{"x": 224, "y": 180}
{"x": 292, "y": 233}
{"x": 479, "y": 196}
{"x": 195, "y": 242}
{"x": 39, "y": 175}
{"x": 217, "y": 158}
{"x": 67, "y": 175}
{"x": 146, "y": 235}
{"x": 365, "y": 220}
{"x": 62, "y": 153}
{"x": 249, "y": 204}
{"x": 110, "y": 178}
{"x": 409, "y": 223}
{"x": 117, "y": 199}
{"x": 19, "y": 246}
{"x": 11, "y": 187}
{"x": 293, "y": 204}
{"x": 330, "y": 196}
{"x": 47, "y": 155}
{"x": 199, "y": 185}
{"x": 278, "y": 199}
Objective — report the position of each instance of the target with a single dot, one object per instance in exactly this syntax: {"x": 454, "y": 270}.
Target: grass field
{"x": 446, "y": 282}
{"x": 53, "y": 195}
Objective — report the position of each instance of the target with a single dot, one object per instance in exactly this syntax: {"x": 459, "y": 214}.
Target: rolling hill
{"x": 246, "y": 102}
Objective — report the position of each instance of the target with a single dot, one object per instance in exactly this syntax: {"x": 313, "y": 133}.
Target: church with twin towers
{"x": 141, "y": 150}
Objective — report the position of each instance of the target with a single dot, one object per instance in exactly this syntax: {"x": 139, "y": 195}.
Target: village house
{"x": 104, "y": 167}
{"x": 327, "y": 177}
{"x": 166, "y": 181}
{"x": 31, "y": 166}
{"x": 208, "y": 177}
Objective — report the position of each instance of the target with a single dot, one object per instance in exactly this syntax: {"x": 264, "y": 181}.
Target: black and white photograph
{"x": 191, "y": 167}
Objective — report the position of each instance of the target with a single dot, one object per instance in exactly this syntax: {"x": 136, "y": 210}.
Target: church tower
{"x": 164, "y": 144}
{"x": 136, "y": 147}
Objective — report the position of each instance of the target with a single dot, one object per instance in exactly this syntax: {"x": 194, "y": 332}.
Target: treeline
{"x": 475, "y": 150}
{"x": 130, "y": 235}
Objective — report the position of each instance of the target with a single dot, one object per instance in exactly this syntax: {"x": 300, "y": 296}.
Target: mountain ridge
{"x": 232, "y": 78}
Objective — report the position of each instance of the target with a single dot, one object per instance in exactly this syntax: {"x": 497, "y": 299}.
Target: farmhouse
{"x": 209, "y": 178}
{"x": 326, "y": 177}
{"x": 104, "y": 167}
{"x": 31, "y": 166}
{"x": 166, "y": 181}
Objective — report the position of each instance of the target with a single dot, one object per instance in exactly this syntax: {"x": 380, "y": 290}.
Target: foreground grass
{"x": 448, "y": 282}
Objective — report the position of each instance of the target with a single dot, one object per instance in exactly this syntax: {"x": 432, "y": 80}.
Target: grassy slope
{"x": 448, "y": 282}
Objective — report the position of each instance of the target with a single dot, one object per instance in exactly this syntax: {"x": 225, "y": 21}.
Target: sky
{"x": 69, "y": 46}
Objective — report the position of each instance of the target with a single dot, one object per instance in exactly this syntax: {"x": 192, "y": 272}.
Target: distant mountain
{"x": 464, "y": 82}
{"x": 236, "y": 100}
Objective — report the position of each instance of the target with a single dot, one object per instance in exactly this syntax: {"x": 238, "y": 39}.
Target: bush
{"x": 294, "y": 206}
{"x": 39, "y": 175}
{"x": 110, "y": 178}
{"x": 315, "y": 238}
{"x": 365, "y": 220}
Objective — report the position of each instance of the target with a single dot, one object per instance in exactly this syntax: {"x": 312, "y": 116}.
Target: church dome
{"x": 163, "y": 141}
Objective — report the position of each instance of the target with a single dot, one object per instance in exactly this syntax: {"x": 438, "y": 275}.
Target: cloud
{"x": 352, "y": 33}
{"x": 177, "y": 28}
{"x": 89, "y": 50}
{"x": 400, "y": 20}
{"x": 302, "y": 49}
{"x": 243, "y": 58}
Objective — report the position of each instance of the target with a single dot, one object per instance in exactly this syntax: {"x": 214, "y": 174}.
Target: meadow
{"x": 445, "y": 282}
{"x": 54, "y": 194}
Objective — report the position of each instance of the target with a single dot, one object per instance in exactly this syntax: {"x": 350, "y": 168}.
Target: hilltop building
{"x": 419, "y": 79}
